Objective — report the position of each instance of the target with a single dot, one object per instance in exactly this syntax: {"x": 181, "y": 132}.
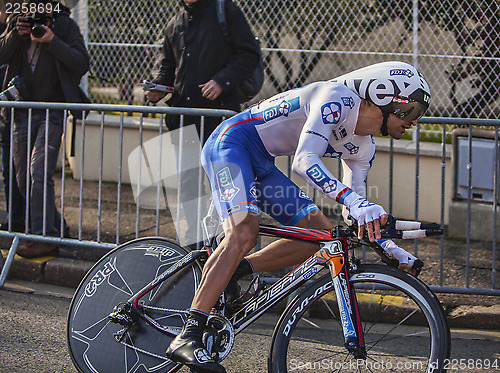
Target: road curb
{"x": 475, "y": 317}
{"x": 51, "y": 270}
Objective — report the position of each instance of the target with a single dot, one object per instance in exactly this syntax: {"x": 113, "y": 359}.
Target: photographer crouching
{"x": 45, "y": 48}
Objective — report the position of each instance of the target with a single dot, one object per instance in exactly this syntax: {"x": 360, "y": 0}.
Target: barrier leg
{"x": 8, "y": 261}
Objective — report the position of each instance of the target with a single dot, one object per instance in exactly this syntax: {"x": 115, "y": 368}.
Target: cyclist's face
{"x": 396, "y": 127}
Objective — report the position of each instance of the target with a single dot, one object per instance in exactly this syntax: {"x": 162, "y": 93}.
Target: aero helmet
{"x": 395, "y": 87}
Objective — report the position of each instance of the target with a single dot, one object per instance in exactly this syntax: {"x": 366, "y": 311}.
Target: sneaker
{"x": 193, "y": 353}
{"x": 32, "y": 249}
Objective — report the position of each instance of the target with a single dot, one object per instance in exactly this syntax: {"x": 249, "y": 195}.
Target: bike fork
{"x": 346, "y": 299}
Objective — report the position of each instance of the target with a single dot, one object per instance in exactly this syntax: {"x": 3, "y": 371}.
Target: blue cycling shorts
{"x": 244, "y": 177}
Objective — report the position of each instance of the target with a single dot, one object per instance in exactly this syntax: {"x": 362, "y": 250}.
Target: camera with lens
{"x": 16, "y": 90}
{"x": 37, "y": 20}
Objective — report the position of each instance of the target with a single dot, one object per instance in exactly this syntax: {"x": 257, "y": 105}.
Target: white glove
{"x": 395, "y": 252}
{"x": 364, "y": 211}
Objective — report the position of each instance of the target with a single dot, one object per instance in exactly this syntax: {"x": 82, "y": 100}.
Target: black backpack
{"x": 249, "y": 87}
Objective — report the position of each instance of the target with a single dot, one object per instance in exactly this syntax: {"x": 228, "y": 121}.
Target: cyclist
{"x": 334, "y": 118}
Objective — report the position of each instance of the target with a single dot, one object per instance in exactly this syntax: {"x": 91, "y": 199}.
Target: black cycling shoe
{"x": 192, "y": 353}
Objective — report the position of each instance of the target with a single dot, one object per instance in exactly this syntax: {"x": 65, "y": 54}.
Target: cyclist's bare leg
{"x": 241, "y": 232}
{"x": 286, "y": 253}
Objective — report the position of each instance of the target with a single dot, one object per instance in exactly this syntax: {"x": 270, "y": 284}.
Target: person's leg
{"x": 288, "y": 204}
{"x": 282, "y": 199}
{"x": 240, "y": 237}
{"x": 42, "y": 184}
{"x": 15, "y": 202}
{"x": 194, "y": 201}
{"x": 20, "y": 150}
{"x": 21, "y": 157}
{"x": 229, "y": 167}
{"x": 241, "y": 231}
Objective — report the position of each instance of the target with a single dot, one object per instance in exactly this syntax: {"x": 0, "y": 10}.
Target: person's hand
{"x": 369, "y": 216}
{"x": 405, "y": 259}
{"x": 23, "y": 26}
{"x": 211, "y": 89}
{"x": 154, "y": 96}
{"x": 47, "y": 37}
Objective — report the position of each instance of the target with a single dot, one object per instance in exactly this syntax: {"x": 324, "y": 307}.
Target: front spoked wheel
{"x": 98, "y": 345}
{"x": 404, "y": 325}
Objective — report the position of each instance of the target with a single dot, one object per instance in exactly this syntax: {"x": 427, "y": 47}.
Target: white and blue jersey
{"x": 309, "y": 123}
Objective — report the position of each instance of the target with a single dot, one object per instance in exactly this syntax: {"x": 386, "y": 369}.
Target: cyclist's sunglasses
{"x": 408, "y": 109}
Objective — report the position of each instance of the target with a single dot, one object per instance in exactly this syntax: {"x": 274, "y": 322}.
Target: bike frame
{"x": 333, "y": 254}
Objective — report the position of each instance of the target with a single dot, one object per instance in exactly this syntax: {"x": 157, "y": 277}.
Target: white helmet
{"x": 395, "y": 87}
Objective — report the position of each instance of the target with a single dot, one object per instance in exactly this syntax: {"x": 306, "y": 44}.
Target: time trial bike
{"x": 342, "y": 315}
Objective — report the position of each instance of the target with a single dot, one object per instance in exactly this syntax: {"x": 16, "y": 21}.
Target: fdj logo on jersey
{"x": 348, "y": 101}
{"x": 330, "y": 112}
{"x": 226, "y": 185}
{"x": 282, "y": 109}
{"x": 353, "y": 149}
{"x": 321, "y": 179}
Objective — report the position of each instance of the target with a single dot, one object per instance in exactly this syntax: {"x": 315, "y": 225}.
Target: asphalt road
{"x": 33, "y": 337}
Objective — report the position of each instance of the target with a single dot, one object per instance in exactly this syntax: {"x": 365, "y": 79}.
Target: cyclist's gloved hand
{"x": 407, "y": 261}
{"x": 369, "y": 215}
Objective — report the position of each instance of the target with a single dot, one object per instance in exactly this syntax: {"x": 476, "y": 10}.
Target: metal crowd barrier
{"x": 118, "y": 115}
{"x": 468, "y": 127}
{"x": 151, "y": 157}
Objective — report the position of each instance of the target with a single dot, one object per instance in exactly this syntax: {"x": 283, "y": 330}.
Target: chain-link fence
{"x": 455, "y": 43}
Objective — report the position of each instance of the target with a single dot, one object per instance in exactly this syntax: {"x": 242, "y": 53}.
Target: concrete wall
{"x": 111, "y": 145}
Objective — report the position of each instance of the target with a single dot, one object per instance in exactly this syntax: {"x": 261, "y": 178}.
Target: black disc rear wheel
{"x": 93, "y": 339}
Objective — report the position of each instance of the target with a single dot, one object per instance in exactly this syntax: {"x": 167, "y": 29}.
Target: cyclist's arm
{"x": 312, "y": 145}
{"x": 355, "y": 172}
{"x": 307, "y": 163}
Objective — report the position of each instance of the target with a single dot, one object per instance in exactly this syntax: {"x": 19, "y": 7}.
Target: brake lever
{"x": 387, "y": 231}
{"x": 417, "y": 266}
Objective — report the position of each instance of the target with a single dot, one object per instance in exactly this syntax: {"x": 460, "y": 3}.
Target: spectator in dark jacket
{"x": 51, "y": 66}
{"x": 15, "y": 202}
{"x": 204, "y": 68}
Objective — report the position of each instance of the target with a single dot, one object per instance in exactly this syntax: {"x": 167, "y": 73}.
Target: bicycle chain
{"x": 144, "y": 351}
{"x": 164, "y": 309}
